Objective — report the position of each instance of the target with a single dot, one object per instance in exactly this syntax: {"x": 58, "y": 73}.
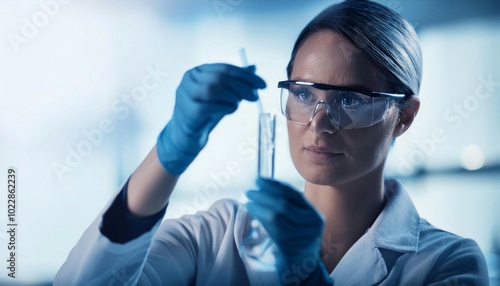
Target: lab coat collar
{"x": 396, "y": 229}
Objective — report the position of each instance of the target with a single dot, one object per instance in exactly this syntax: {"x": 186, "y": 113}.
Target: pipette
{"x": 243, "y": 56}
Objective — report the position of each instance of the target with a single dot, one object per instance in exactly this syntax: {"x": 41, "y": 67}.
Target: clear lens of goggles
{"x": 345, "y": 109}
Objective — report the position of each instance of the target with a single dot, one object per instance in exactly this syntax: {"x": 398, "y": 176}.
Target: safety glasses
{"x": 347, "y": 108}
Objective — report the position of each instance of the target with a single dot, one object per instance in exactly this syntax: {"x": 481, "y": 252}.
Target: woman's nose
{"x": 320, "y": 122}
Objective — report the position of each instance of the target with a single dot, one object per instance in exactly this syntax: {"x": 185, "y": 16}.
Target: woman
{"x": 352, "y": 87}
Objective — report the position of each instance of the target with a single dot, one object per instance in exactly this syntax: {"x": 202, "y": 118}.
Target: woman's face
{"x": 321, "y": 153}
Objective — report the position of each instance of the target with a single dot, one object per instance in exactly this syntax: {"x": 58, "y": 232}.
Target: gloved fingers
{"x": 241, "y": 89}
{"x": 281, "y": 205}
{"x": 291, "y": 233}
{"x": 236, "y": 88}
{"x": 275, "y": 225}
{"x": 203, "y": 113}
{"x": 287, "y": 218}
{"x": 251, "y": 68}
{"x": 247, "y": 74}
{"x": 241, "y": 82}
{"x": 214, "y": 109}
{"x": 190, "y": 103}
{"x": 280, "y": 189}
{"x": 260, "y": 213}
{"x": 293, "y": 248}
{"x": 285, "y": 198}
{"x": 207, "y": 87}
{"x": 288, "y": 237}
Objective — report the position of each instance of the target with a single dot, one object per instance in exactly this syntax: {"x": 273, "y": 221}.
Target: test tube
{"x": 265, "y": 165}
{"x": 257, "y": 247}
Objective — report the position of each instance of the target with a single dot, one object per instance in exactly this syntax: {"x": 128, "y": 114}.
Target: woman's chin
{"x": 321, "y": 175}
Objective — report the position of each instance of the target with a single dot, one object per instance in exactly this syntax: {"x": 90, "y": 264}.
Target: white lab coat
{"x": 203, "y": 249}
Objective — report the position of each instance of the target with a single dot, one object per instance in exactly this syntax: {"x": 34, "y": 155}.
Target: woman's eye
{"x": 350, "y": 99}
{"x": 303, "y": 95}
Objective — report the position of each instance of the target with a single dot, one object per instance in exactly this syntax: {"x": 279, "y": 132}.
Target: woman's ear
{"x": 406, "y": 116}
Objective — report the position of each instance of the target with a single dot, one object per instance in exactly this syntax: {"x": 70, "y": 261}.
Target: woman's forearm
{"x": 150, "y": 186}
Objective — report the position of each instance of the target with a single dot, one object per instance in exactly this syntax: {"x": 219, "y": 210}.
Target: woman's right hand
{"x": 295, "y": 226}
{"x": 205, "y": 95}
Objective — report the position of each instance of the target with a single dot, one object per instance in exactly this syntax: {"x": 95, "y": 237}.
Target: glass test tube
{"x": 265, "y": 165}
{"x": 258, "y": 248}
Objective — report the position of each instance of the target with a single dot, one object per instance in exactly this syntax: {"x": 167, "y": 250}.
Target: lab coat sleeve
{"x": 96, "y": 260}
{"x": 461, "y": 263}
{"x": 165, "y": 255}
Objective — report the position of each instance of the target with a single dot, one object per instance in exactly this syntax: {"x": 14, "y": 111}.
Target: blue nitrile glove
{"x": 296, "y": 227}
{"x": 205, "y": 94}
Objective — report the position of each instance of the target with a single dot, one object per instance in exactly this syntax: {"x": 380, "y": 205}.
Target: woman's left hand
{"x": 295, "y": 226}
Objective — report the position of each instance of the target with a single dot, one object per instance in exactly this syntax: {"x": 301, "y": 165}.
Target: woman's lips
{"x": 319, "y": 153}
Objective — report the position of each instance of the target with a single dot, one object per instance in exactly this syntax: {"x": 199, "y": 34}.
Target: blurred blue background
{"x": 86, "y": 86}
